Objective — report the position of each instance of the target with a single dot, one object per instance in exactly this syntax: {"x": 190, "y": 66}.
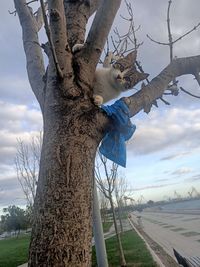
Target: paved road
{"x": 170, "y": 230}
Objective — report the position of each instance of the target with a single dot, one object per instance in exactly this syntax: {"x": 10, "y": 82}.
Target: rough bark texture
{"x": 73, "y": 126}
{"x": 62, "y": 211}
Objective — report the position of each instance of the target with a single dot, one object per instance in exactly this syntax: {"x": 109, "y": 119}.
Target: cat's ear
{"x": 131, "y": 57}
{"x": 132, "y": 77}
{"x": 126, "y": 62}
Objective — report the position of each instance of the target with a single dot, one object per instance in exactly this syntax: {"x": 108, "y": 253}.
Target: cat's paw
{"x": 98, "y": 100}
{"x": 77, "y": 47}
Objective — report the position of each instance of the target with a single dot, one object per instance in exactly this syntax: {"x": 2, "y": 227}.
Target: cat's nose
{"x": 119, "y": 77}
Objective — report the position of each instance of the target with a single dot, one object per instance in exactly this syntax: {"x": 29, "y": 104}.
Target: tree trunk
{"x": 120, "y": 214}
{"x": 122, "y": 258}
{"x": 62, "y": 224}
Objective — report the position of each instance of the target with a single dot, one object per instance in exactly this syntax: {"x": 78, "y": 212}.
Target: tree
{"x": 103, "y": 205}
{"x": 27, "y": 162}
{"x": 106, "y": 183}
{"x": 120, "y": 191}
{"x": 15, "y": 219}
{"x": 73, "y": 125}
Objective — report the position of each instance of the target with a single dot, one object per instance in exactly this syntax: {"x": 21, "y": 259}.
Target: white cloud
{"x": 16, "y": 89}
{"x": 16, "y": 121}
{"x": 173, "y": 127}
{"x": 182, "y": 171}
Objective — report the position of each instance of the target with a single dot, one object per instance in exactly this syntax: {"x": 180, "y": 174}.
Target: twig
{"x": 12, "y": 12}
{"x": 179, "y": 38}
{"x": 157, "y": 42}
{"x": 166, "y": 102}
{"x": 193, "y": 29}
{"x": 49, "y": 36}
{"x": 169, "y": 32}
{"x": 185, "y": 91}
{"x": 31, "y": 2}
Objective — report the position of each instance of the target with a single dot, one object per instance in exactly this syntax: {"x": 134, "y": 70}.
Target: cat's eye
{"x": 118, "y": 66}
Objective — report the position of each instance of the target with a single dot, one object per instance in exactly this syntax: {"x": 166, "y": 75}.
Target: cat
{"x": 114, "y": 78}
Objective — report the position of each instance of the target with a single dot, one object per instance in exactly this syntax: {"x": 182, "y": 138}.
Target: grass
{"x": 136, "y": 253}
{"x": 106, "y": 226}
{"x": 14, "y": 251}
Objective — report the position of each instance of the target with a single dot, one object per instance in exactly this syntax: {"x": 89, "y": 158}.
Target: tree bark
{"x": 62, "y": 216}
{"x": 120, "y": 215}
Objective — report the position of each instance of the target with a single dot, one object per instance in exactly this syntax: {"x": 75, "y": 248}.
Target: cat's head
{"x": 126, "y": 73}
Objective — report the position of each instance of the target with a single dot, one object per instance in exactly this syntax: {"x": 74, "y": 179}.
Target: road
{"x": 171, "y": 230}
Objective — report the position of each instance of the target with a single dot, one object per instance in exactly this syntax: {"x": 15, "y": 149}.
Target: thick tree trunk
{"x": 62, "y": 227}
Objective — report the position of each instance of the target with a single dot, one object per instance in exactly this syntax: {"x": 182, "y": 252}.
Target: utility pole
{"x": 98, "y": 232}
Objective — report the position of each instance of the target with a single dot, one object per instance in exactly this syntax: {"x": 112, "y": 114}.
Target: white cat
{"x": 113, "y": 79}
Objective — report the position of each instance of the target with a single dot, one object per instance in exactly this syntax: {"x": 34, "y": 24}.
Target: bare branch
{"x": 164, "y": 101}
{"x": 76, "y": 24}
{"x": 12, "y": 12}
{"x": 32, "y": 1}
{"x": 157, "y": 42}
{"x": 182, "y": 36}
{"x": 99, "y": 31}
{"x": 94, "y": 6}
{"x": 169, "y": 31}
{"x": 49, "y": 36}
{"x": 143, "y": 99}
{"x": 34, "y": 57}
{"x": 185, "y": 91}
{"x": 57, "y": 22}
{"x": 27, "y": 166}
{"x": 39, "y": 16}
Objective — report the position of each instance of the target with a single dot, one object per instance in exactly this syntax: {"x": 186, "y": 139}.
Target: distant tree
{"x": 1, "y": 227}
{"x": 106, "y": 176}
{"x": 150, "y": 202}
{"x": 14, "y": 219}
{"x": 27, "y": 161}
{"x": 104, "y": 205}
{"x": 120, "y": 191}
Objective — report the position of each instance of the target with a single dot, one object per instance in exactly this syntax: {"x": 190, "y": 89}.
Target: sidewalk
{"x": 170, "y": 230}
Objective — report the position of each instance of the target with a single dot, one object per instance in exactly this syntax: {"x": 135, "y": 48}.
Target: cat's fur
{"x": 113, "y": 79}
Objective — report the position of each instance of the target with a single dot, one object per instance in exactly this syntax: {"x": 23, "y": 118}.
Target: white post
{"x": 98, "y": 232}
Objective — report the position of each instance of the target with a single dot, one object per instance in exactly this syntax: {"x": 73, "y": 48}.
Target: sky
{"x": 163, "y": 155}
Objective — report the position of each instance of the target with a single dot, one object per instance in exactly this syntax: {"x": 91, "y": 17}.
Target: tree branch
{"x": 99, "y": 32}
{"x": 34, "y": 58}
{"x": 94, "y": 6}
{"x": 77, "y": 14}
{"x": 143, "y": 99}
{"x": 39, "y": 17}
{"x": 49, "y": 36}
{"x": 59, "y": 35}
{"x": 185, "y": 91}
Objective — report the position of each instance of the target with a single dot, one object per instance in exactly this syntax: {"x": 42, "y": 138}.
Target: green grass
{"x": 14, "y": 251}
{"x": 106, "y": 226}
{"x": 136, "y": 253}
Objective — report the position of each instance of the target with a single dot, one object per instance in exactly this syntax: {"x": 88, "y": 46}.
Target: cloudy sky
{"x": 163, "y": 154}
